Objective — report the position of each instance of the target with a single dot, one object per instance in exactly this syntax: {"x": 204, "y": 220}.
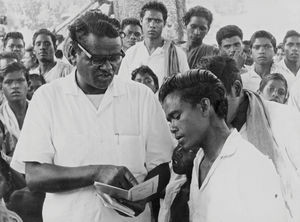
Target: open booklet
{"x": 138, "y": 192}
{"x": 107, "y": 193}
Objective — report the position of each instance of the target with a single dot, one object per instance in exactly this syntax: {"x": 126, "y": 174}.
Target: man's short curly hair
{"x": 130, "y": 21}
{"x": 228, "y": 31}
{"x": 12, "y": 35}
{"x": 95, "y": 22}
{"x": 198, "y": 11}
{"x": 44, "y": 32}
{"x": 157, "y": 6}
{"x": 193, "y": 86}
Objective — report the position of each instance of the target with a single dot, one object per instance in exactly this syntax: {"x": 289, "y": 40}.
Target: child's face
{"x": 182, "y": 160}
{"x": 147, "y": 80}
{"x": 275, "y": 91}
{"x": 34, "y": 84}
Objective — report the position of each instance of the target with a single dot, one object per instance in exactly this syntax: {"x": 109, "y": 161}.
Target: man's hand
{"x": 117, "y": 176}
{"x": 240, "y": 58}
{"x": 137, "y": 206}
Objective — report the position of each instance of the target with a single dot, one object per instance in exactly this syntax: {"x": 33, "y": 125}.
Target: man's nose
{"x": 197, "y": 31}
{"x": 105, "y": 65}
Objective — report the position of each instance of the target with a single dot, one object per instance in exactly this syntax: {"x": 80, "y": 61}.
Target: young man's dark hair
{"x": 130, "y": 21}
{"x": 44, "y": 32}
{"x": 290, "y": 33}
{"x": 14, "y": 67}
{"x": 224, "y": 68}
{"x": 157, "y": 6}
{"x": 263, "y": 34}
{"x": 12, "y": 35}
{"x": 193, "y": 86}
{"x": 246, "y": 42}
{"x": 228, "y": 31}
{"x": 198, "y": 11}
{"x": 92, "y": 22}
{"x": 37, "y": 77}
{"x": 145, "y": 70}
{"x": 272, "y": 76}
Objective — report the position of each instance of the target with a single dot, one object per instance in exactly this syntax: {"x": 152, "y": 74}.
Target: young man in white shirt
{"x": 231, "y": 179}
{"x": 155, "y": 51}
{"x": 44, "y": 45}
{"x": 272, "y": 127}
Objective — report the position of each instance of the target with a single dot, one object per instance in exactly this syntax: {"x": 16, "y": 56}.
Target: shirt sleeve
{"x": 159, "y": 143}
{"x": 35, "y": 143}
{"x": 261, "y": 192}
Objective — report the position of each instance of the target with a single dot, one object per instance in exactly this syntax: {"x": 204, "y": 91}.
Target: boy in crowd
{"x": 146, "y": 76}
{"x": 230, "y": 43}
{"x": 273, "y": 87}
{"x": 197, "y": 21}
{"x": 132, "y": 30}
{"x": 14, "y": 42}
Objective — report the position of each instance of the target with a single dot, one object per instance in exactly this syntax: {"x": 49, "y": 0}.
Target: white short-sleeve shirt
{"x": 138, "y": 55}
{"x": 242, "y": 185}
{"x": 63, "y": 127}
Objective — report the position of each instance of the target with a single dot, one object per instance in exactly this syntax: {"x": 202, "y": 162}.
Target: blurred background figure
{"x": 14, "y": 42}
{"x": 132, "y": 32}
{"x": 146, "y": 76}
{"x": 279, "y": 53}
{"x": 29, "y": 59}
{"x": 34, "y": 82}
{"x": 273, "y": 87}
{"x": 247, "y": 50}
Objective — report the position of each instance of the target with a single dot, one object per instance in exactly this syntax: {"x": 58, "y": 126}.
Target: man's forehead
{"x": 293, "y": 39}
{"x": 172, "y": 102}
{"x": 231, "y": 40}
{"x": 95, "y": 43}
{"x": 15, "y": 75}
{"x": 151, "y": 13}
{"x": 262, "y": 40}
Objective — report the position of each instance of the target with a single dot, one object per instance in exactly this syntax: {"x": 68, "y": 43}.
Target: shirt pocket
{"x": 72, "y": 149}
{"x": 130, "y": 152}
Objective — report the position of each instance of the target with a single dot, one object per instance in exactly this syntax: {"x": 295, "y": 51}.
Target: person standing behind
{"x": 272, "y": 127}
{"x": 161, "y": 55}
{"x": 14, "y": 42}
{"x": 291, "y": 62}
{"x": 197, "y": 22}
{"x": 92, "y": 126}
{"x": 263, "y": 45}
{"x": 44, "y": 44}
{"x": 230, "y": 43}
{"x": 132, "y": 30}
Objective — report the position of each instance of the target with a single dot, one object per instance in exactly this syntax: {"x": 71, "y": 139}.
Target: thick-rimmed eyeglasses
{"x": 99, "y": 60}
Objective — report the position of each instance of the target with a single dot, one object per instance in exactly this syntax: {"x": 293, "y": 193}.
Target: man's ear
{"x": 236, "y": 88}
{"x": 204, "y": 106}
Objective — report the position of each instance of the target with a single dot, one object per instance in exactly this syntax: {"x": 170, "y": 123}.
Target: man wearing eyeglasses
{"x": 91, "y": 126}
{"x": 14, "y": 42}
{"x": 156, "y": 52}
{"x": 132, "y": 32}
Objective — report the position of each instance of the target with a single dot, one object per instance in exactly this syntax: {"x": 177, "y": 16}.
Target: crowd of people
{"x": 218, "y": 126}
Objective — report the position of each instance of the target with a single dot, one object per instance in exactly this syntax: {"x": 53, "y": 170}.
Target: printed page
{"x": 138, "y": 192}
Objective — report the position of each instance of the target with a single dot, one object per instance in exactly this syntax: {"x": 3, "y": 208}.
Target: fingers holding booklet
{"x": 134, "y": 199}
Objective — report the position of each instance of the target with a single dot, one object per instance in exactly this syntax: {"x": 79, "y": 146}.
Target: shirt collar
{"x": 117, "y": 87}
